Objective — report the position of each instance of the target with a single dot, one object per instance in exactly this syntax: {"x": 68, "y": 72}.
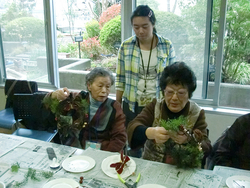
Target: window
{"x": 211, "y": 36}
{"x": 86, "y": 32}
{"x": 234, "y": 70}
{"x": 26, "y": 41}
{"x": 196, "y": 29}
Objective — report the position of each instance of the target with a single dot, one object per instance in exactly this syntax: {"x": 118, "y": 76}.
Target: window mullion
{"x": 219, "y": 54}
{"x": 50, "y": 28}
{"x": 207, "y": 48}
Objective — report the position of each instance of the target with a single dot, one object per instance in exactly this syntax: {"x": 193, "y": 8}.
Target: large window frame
{"x": 51, "y": 46}
{"x": 126, "y": 11}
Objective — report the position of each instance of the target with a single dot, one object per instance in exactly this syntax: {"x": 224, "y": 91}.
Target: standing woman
{"x": 141, "y": 59}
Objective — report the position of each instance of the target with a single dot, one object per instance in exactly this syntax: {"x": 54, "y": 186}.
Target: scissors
{"x": 133, "y": 185}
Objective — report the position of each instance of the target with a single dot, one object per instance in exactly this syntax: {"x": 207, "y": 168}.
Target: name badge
{"x": 94, "y": 145}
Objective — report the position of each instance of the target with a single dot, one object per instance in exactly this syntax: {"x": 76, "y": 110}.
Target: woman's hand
{"x": 60, "y": 94}
{"x": 159, "y": 134}
{"x": 180, "y": 138}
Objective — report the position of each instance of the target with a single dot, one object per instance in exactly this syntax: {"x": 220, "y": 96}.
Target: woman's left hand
{"x": 180, "y": 138}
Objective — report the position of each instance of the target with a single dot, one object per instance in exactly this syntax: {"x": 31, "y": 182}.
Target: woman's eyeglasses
{"x": 179, "y": 93}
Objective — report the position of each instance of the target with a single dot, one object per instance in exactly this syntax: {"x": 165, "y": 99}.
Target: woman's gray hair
{"x": 99, "y": 72}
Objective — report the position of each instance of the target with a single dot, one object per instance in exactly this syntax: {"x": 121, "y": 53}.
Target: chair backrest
{"x": 22, "y": 106}
{"x": 30, "y": 109}
{"x": 18, "y": 86}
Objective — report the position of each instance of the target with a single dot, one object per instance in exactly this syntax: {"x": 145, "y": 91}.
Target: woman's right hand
{"x": 60, "y": 94}
{"x": 159, "y": 134}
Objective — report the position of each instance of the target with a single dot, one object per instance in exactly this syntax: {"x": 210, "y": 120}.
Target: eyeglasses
{"x": 179, "y": 93}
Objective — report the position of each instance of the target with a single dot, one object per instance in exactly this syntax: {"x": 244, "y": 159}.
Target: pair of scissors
{"x": 133, "y": 184}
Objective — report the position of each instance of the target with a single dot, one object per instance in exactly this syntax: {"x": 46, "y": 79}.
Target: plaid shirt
{"x": 127, "y": 68}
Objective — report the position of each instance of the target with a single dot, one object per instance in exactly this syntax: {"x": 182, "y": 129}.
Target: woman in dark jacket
{"x": 233, "y": 147}
{"x": 177, "y": 83}
{"x": 89, "y": 119}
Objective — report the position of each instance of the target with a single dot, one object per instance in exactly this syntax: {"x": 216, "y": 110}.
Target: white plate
{"x": 151, "y": 186}
{"x": 61, "y": 183}
{"x": 111, "y": 172}
{"x": 79, "y": 163}
{"x": 2, "y": 185}
{"x": 241, "y": 180}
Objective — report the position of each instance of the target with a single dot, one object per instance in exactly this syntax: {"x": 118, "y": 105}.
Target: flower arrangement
{"x": 70, "y": 113}
{"x": 188, "y": 155}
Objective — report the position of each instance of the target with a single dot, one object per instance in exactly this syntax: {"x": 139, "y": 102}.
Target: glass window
{"x": 235, "y": 71}
{"x": 223, "y": 79}
{"x": 217, "y": 52}
{"x": 23, "y": 37}
{"x": 234, "y": 76}
{"x": 87, "y": 36}
{"x": 183, "y": 22}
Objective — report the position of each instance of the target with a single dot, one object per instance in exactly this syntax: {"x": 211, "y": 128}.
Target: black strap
{"x": 146, "y": 73}
{"x": 13, "y": 85}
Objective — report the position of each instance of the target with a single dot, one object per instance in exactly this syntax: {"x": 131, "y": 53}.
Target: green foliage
{"x": 15, "y": 167}
{"x": 109, "y": 63}
{"x": 91, "y": 48}
{"x": 47, "y": 175}
{"x": 111, "y": 33}
{"x": 186, "y": 156}
{"x": 14, "y": 11}
{"x": 71, "y": 48}
{"x": 51, "y": 103}
{"x": 25, "y": 29}
{"x": 238, "y": 72}
{"x": 236, "y": 41}
{"x": 173, "y": 27}
{"x": 33, "y": 175}
{"x": 92, "y": 28}
{"x": 193, "y": 14}
{"x": 173, "y": 124}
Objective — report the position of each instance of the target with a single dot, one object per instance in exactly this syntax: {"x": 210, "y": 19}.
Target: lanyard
{"x": 146, "y": 73}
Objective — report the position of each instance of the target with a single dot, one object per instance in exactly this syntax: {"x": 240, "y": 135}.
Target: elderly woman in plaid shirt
{"x": 141, "y": 59}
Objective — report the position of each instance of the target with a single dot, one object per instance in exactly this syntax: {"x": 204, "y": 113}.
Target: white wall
{"x": 217, "y": 123}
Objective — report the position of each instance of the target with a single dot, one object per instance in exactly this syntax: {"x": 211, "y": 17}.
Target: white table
{"x": 31, "y": 153}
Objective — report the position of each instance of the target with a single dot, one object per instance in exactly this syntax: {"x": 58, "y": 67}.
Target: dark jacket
{"x": 233, "y": 147}
{"x": 106, "y": 127}
{"x": 136, "y": 128}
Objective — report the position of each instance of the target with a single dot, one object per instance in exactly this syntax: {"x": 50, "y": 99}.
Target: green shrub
{"x": 92, "y": 28}
{"x": 109, "y": 63}
{"x": 237, "y": 72}
{"x": 91, "y": 48}
{"x": 28, "y": 29}
{"x": 111, "y": 33}
{"x": 71, "y": 48}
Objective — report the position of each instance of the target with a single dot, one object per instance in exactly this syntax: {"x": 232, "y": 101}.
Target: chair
{"x": 29, "y": 108}
{"x": 204, "y": 159}
{"x": 7, "y": 119}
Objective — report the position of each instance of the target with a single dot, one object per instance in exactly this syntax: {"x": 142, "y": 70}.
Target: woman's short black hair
{"x": 144, "y": 10}
{"x": 178, "y": 73}
{"x": 99, "y": 72}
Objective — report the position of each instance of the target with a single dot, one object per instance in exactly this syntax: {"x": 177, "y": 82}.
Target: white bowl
{"x": 2, "y": 185}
